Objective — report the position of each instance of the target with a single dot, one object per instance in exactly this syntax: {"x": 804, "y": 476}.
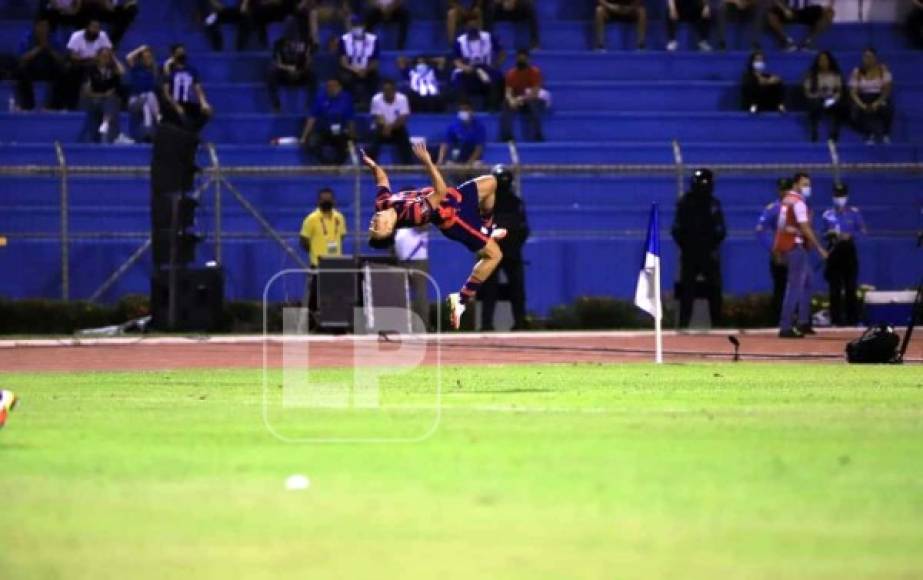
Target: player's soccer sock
{"x": 470, "y": 290}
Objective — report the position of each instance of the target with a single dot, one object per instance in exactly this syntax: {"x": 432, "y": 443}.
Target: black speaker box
{"x": 199, "y": 300}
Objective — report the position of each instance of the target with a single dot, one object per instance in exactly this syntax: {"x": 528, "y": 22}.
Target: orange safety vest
{"x": 787, "y": 231}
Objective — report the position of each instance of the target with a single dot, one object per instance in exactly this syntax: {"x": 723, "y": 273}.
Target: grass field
{"x": 582, "y": 471}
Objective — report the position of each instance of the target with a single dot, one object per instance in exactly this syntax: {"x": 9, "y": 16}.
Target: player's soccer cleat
{"x": 456, "y": 309}
{"x": 8, "y": 402}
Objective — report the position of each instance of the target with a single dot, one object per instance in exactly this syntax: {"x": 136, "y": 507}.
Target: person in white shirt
{"x": 390, "y": 111}
{"x": 82, "y": 47}
{"x": 411, "y": 247}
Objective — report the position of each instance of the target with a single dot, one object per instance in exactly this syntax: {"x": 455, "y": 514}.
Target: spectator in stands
{"x": 523, "y": 95}
{"x": 323, "y": 11}
{"x": 359, "y": 52}
{"x": 514, "y": 11}
{"x": 41, "y": 58}
{"x": 915, "y": 23}
{"x": 477, "y": 56}
{"x": 83, "y": 47}
{"x": 257, "y": 15}
{"x": 843, "y": 226}
{"x": 761, "y": 90}
{"x": 60, "y": 13}
{"x": 331, "y": 125}
{"x": 100, "y": 98}
{"x": 622, "y": 11}
{"x": 765, "y": 233}
{"x": 187, "y": 104}
{"x": 698, "y": 230}
{"x": 823, "y": 89}
{"x": 695, "y": 11}
{"x": 117, "y": 14}
{"x": 389, "y": 11}
{"x": 390, "y": 112}
{"x": 752, "y": 11}
{"x": 422, "y": 81}
{"x": 811, "y": 13}
{"x": 291, "y": 62}
{"x": 870, "y": 94}
{"x": 143, "y": 101}
{"x": 217, "y": 12}
{"x": 460, "y": 12}
{"x": 465, "y": 139}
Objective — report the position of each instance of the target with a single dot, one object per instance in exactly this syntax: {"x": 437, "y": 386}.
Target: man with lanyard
{"x": 843, "y": 224}
{"x": 322, "y": 234}
{"x": 794, "y": 238}
{"x": 765, "y": 233}
{"x": 411, "y": 246}
{"x": 359, "y": 63}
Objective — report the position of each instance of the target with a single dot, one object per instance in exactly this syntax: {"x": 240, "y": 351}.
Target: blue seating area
{"x": 618, "y": 107}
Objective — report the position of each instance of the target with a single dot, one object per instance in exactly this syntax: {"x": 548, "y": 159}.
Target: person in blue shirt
{"x": 465, "y": 138}
{"x": 765, "y": 233}
{"x": 331, "y": 125}
{"x": 41, "y": 58}
{"x": 842, "y": 226}
{"x": 143, "y": 102}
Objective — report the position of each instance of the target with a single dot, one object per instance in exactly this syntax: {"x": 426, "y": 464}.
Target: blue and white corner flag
{"x": 647, "y": 292}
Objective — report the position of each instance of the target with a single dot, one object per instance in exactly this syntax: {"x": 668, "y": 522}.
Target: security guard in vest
{"x": 843, "y": 225}
{"x": 698, "y": 230}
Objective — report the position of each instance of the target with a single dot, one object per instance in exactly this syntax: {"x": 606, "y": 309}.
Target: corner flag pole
{"x": 647, "y": 292}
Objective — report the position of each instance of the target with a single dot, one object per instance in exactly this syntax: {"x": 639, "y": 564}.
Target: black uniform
{"x": 698, "y": 229}
{"x": 510, "y": 214}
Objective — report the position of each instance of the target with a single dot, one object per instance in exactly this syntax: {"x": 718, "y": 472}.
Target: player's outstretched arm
{"x": 435, "y": 176}
{"x": 381, "y": 178}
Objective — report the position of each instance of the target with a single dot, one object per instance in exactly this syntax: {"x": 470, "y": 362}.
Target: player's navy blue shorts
{"x": 460, "y": 217}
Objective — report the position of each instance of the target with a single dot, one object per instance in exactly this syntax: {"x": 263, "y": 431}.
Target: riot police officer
{"x": 843, "y": 225}
{"x": 510, "y": 214}
{"x": 698, "y": 230}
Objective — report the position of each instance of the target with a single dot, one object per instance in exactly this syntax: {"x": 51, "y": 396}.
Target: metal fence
{"x": 216, "y": 182}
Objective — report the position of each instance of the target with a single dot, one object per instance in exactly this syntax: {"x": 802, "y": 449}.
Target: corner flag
{"x": 647, "y": 292}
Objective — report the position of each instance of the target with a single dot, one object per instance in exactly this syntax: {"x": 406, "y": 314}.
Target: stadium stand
{"x": 615, "y": 107}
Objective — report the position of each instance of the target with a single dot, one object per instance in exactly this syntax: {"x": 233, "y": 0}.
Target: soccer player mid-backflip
{"x": 463, "y": 214}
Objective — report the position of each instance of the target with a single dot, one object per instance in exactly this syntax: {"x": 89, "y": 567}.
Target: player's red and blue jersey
{"x": 411, "y": 205}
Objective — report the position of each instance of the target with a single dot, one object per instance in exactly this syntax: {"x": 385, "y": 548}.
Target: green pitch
{"x": 584, "y": 471}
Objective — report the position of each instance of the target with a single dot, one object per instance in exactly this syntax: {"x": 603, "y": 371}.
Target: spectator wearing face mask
{"x": 331, "y": 125}
{"x": 101, "y": 99}
{"x": 83, "y": 47}
{"x": 421, "y": 77}
{"x": 477, "y": 55}
{"x": 793, "y": 241}
{"x": 390, "y": 112}
{"x": 359, "y": 53}
{"x": 760, "y": 89}
{"x": 513, "y": 11}
{"x": 143, "y": 102}
{"x": 843, "y": 227}
{"x": 465, "y": 139}
{"x": 389, "y": 11}
{"x": 823, "y": 89}
{"x": 870, "y": 87}
{"x": 291, "y": 62}
{"x": 187, "y": 103}
{"x": 523, "y": 95}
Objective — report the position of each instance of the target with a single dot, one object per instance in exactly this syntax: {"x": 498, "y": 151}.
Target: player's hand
{"x": 369, "y": 162}
{"x": 422, "y": 153}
